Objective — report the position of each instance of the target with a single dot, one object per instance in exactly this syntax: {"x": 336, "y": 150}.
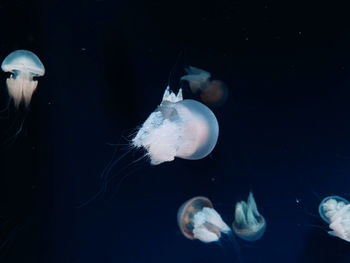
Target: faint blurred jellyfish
{"x": 180, "y": 128}
{"x": 23, "y": 65}
{"x": 335, "y": 211}
{"x": 213, "y": 92}
{"x": 248, "y": 224}
{"x": 197, "y": 78}
{"x": 197, "y": 219}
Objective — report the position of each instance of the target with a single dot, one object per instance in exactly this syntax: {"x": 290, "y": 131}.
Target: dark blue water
{"x": 284, "y": 129}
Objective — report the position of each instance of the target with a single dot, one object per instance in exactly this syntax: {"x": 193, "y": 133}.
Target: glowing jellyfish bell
{"x": 335, "y": 211}
{"x": 197, "y": 219}
{"x": 23, "y": 66}
{"x": 178, "y": 128}
{"x": 248, "y": 224}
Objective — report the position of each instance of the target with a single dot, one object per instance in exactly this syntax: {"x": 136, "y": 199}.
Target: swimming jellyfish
{"x": 23, "y": 66}
{"x": 212, "y": 92}
{"x": 197, "y": 78}
{"x": 248, "y": 224}
{"x": 335, "y": 211}
{"x": 197, "y": 219}
{"x": 180, "y": 128}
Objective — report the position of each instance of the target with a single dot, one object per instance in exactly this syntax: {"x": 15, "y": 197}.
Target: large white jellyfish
{"x": 197, "y": 219}
{"x": 178, "y": 128}
{"x": 248, "y": 224}
{"x": 23, "y": 66}
{"x": 335, "y": 211}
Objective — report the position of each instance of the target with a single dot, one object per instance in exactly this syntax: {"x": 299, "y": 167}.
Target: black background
{"x": 284, "y": 130}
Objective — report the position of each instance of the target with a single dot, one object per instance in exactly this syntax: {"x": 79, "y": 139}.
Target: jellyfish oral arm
{"x": 208, "y": 225}
{"x": 21, "y": 88}
{"x": 171, "y": 96}
{"x": 340, "y": 223}
{"x": 178, "y": 128}
{"x": 156, "y": 136}
{"x": 204, "y": 235}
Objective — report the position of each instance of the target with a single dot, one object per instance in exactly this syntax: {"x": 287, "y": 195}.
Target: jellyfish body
{"x": 212, "y": 92}
{"x": 178, "y": 128}
{"x": 248, "y": 224}
{"x": 335, "y": 211}
{"x": 197, "y": 78}
{"x": 197, "y": 219}
{"x": 23, "y": 66}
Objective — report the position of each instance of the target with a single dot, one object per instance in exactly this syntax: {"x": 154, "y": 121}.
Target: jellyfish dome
{"x": 248, "y": 224}
{"x": 180, "y": 128}
{"x": 197, "y": 219}
{"x": 24, "y": 65}
{"x": 335, "y": 211}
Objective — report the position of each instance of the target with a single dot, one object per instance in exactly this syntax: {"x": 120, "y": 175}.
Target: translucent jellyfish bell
{"x": 248, "y": 224}
{"x": 335, "y": 211}
{"x": 197, "y": 219}
{"x": 24, "y": 65}
{"x": 178, "y": 128}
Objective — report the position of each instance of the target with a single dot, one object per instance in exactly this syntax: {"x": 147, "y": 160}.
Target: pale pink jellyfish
{"x": 197, "y": 219}
{"x": 180, "y": 128}
{"x": 23, "y": 65}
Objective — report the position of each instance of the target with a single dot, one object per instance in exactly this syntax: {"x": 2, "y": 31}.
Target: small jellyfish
{"x": 335, "y": 211}
{"x": 213, "y": 92}
{"x": 248, "y": 224}
{"x": 23, "y": 66}
{"x": 197, "y": 78}
{"x": 180, "y": 128}
{"x": 197, "y": 219}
